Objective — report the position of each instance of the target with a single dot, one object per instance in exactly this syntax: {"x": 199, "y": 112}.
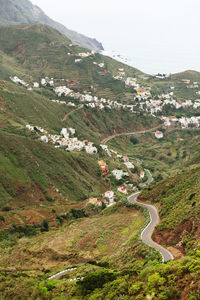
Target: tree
{"x": 45, "y": 226}
{"x": 133, "y": 140}
{"x": 95, "y": 280}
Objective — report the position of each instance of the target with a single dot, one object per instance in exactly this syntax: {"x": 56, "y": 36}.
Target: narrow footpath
{"x": 71, "y": 112}
{"x": 128, "y": 133}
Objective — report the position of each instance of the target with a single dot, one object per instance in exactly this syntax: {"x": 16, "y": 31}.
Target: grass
{"x": 166, "y": 157}
{"x": 178, "y": 199}
{"x": 33, "y": 53}
{"x": 78, "y": 242}
{"x": 27, "y": 184}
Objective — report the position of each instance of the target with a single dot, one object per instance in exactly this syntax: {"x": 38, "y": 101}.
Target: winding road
{"x": 149, "y": 229}
{"x": 128, "y": 133}
{"x": 146, "y": 234}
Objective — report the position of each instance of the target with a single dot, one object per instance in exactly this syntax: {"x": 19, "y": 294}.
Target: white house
{"x": 159, "y": 134}
{"x": 91, "y": 149}
{"x": 142, "y": 174}
{"x": 77, "y": 61}
{"x": 44, "y": 139}
{"x": 110, "y": 196}
{"x": 64, "y": 133}
{"x": 31, "y": 128}
{"x": 129, "y": 165}
{"x": 43, "y": 81}
{"x": 122, "y": 190}
{"x": 72, "y": 131}
{"x": 36, "y": 85}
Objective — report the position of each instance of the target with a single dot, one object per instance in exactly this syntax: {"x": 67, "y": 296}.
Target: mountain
{"x": 189, "y": 74}
{"x": 39, "y": 50}
{"x": 23, "y": 11}
{"x": 47, "y": 186}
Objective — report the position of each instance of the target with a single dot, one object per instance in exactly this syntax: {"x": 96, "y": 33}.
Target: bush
{"x": 48, "y": 198}
{"x": 95, "y": 280}
{"x": 45, "y": 226}
{"x": 133, "y": 140}
{"x": 2, "y": 218}
{"x": 75, "y": 214}
{"x": 6, "y": 208}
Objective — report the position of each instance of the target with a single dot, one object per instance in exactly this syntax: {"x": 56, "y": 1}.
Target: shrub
{"x": 6, "y": 208}
{"x": 135, "y": 288}
{"x": 48, "y": 198}
{"x": 133, "y": 140}
{"x": 2, "y": 218}
{"x": 44, "y": 226}
{"x": 75, "y": 214}
{"x": 95, "y": 280}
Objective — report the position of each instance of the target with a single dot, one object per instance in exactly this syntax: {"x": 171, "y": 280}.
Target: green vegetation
{"x": 46, "y": 224}
{"x": 26, "y": 12}
{"x": 178, "y": 198}
{"x": 179, "y": 149}
{"x": 44, "y": 52}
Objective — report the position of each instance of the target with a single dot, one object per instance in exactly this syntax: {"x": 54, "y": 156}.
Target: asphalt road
{"x": 154, "y": 216}
{"x": 128, "y": 133}
{"x": 154, "y": 220}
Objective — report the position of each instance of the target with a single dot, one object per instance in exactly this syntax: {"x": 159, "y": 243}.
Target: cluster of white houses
{"x": 184, "y": 122}
{"x": 90, "y": 100}
{"x": 66, "y": 139}
{"x": 153, "y": 106}
{"x": 143, "y": 96}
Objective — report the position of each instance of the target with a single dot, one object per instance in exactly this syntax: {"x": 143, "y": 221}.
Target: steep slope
{"x": 23, "y": 11}
{"x": 37, "y": 176}
{"x": 36, "y": 51}
{"x": 178, "y": 199}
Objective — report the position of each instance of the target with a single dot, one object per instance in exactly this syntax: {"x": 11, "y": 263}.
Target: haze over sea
{"x": 154, "y": 35}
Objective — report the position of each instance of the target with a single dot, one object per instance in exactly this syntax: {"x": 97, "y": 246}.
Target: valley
{"x": 95, "y": 157}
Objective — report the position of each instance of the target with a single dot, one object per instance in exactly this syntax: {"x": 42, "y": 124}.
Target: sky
{"x": 156, "y": 35}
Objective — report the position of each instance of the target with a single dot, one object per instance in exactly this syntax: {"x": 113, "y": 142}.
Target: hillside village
{"x": 142, "y": 99}
{"x": 65, "y": 139}
{"x": 69, "y": 142}
{"x": 125, "y": 180}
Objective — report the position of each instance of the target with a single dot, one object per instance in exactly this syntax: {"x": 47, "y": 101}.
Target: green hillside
{"x": 189, "y": 74}
{"x": 178, "y": 150}
{"x": 178, "y": 199}
{"x": 34, "y": 170}
{"x": 25, "y": 12}
{"x": 36, "y": 51}
{"x": 46, "y": 222}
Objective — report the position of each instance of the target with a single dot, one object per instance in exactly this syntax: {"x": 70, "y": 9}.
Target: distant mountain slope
{"x": 23, "y": 11}
{"x": 189, "y": 74}
{"x": 39, "y": 50}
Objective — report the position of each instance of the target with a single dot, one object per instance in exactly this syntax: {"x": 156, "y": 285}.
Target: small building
{"x": 95, "y": 202}
{"x": 110, "y": 196}
{"x": 142, "y": 174}
{"x": 104, "y": 168}
{"x": 129, "y": 165}
{"x": 44, "y": 139}
{"x": 125, "y": 159}
{"x": 122, "y": 190}
{"x": 118, "y": 174}
{"x": 159, "y": 134}
{"x": 36, "y": 85}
